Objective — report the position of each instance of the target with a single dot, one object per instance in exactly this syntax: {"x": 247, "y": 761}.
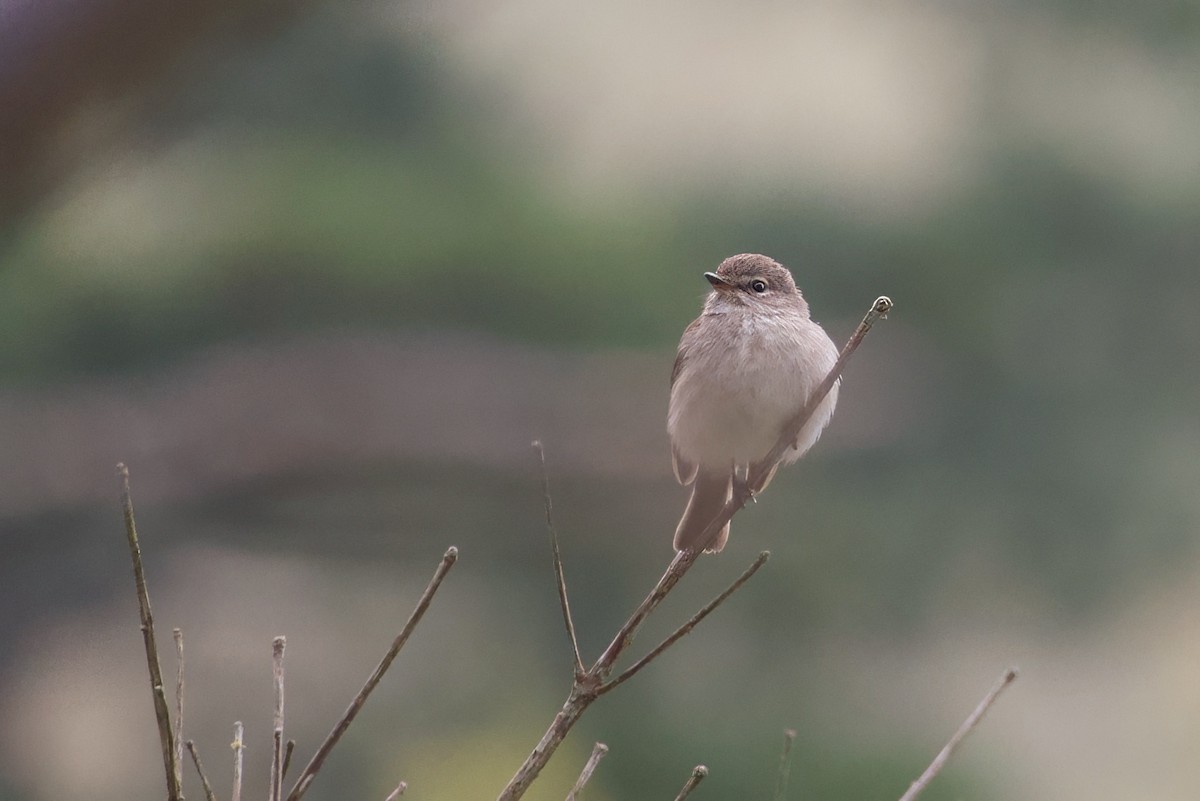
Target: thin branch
{"x": 277, "y": 648}
{"x": 208, "y": 791}
{"x": 399, "y": 791}
{"x": 559, "y": 578}
{"x": 743, "y": 492}
{"x": 598, "y": 752}
{"x": 698, "y": 774}
{"x": 178, "y": 635}
{"x": 588, "y": 687}
{"x": 287, "y": 758}
{"x": 161, "y": 713}
{"x": 689, "y": 625}
{"x": 967, "y": 726}
{"x": 314, "y": 765}
{"x": 785, "y": 764}
{"x": 239, "y": 747}
{"x": 679, "y": 567}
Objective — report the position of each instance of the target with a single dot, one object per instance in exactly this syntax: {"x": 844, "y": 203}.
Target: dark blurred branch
{"x": 785, "y": 765}
{"x": 698, "y": 774}
{"x": 59, "y": 58}
{"x": 161, "y": 713}
{"x": 598, "y": 752}
{"x": 560, "y": 579}
{"x": 590, "y": 684}
{"x": 966, "y": 728}
{"x": 314, "y": 765}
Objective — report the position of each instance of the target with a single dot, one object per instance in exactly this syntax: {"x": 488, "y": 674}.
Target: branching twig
{"x": 161, "y": 713}
{"x": 399, "y": 791}
{"x": 559, "y": 578}
{"x": 967, "y": 726}
{"x": 314, "y": 765}
{"x": 208, "y": 791}
{"x": 785, "y": 765}
{"x": 691, "y": 624}
{"x": 277, "y": 647}
{"x": 178, "y": 635}
{"x": 589, "y": 684}
{"x": 598, "y": 752}
{"x": 239, "y": 747}
{"x": 698, "y": 774}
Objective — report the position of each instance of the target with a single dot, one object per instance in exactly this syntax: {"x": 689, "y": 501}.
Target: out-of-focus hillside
{"x": 320, "y": 275}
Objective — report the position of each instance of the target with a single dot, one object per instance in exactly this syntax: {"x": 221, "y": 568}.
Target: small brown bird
{"x": 745, "y": 367}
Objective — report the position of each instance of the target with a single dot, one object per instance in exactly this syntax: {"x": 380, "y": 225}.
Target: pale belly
{"x": 731, "y": 401}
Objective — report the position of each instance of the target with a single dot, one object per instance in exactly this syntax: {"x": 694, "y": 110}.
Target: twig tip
{"x": 883, "y": 305}
{"x": 789, "y": 734}
{"x": 451, "y": 554}
{"x": 699, "y": 772}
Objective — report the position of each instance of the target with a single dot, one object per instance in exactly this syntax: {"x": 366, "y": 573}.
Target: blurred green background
{"x": 320, "y": 272}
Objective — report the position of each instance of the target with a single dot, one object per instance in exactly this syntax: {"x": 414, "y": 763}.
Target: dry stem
{"x": 560, "y": 579}
{"x": 161, "y": 713}
{"x": 208, "y": 791}
{"x": 287, "y": 759}
{"x": 239, "y": 747}
{"x": 785, "y": 764}
{"x": 277, "y": 648}
{"x": 598, "y": 752}
{"x": 178, "y": 635}
{"x": 689, "y": 625}
{"x": 314, "y": 765}
{"x": 698, "y": 774}
{"x": 967, "y": 726}
{"x": 399, "y": 791}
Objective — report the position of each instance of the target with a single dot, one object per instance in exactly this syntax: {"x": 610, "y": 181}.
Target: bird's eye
{"x": 758, "y": 285}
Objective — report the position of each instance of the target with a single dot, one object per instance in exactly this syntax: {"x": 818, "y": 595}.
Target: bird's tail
{"x": 710, "y": 491}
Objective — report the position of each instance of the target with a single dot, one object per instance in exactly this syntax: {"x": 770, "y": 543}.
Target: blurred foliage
{"x": 332, "y": 179}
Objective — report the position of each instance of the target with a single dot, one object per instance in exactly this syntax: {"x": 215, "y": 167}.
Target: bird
{"x": 744, "y": 368}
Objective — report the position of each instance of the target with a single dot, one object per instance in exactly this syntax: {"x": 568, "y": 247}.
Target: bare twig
{"x": 287, "y": 758}
{"x": 698, "y": 774}
{"x": 598, "y": 752}
{"x": 967, "y": 726}
{"x": 399, "y": 791}
{"x": 689, "y": 625}
{"x": 208, "y": 791}
{"x": 277, "y": 648}
{"x": 785, "y": 764}
{"x": 559, "y": 578}
{"x": 161, "y": 713}
{"x": 589, "y": 686}
{"x": 178, "y": 635}
{"x": 314, "y": 765}
{"x": 239, "y": 747}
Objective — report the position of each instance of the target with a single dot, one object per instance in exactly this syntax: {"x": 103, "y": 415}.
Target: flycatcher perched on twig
{"x": 745, "y": 366}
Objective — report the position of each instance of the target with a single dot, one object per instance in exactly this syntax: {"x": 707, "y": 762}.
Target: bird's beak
{"x": 718, "y": 283}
